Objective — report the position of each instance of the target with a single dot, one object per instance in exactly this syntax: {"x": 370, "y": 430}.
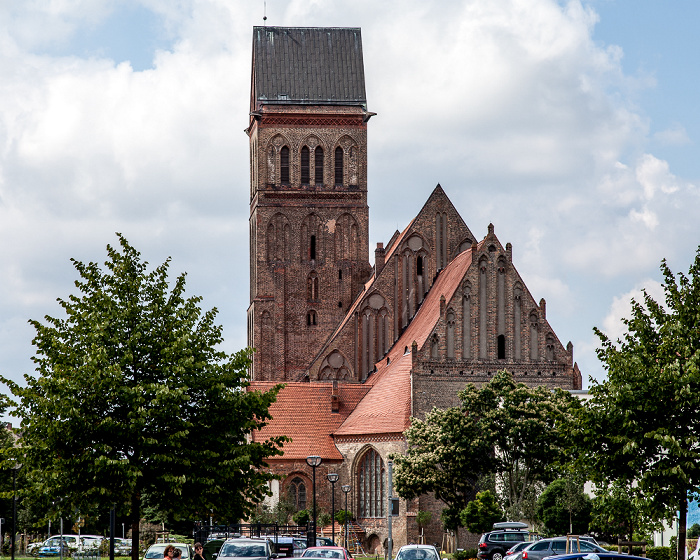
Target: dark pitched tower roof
{"x": 308, "y": 65}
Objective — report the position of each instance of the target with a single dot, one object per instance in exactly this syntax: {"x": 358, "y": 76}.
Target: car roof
{"x": 602, "y": 555}
{"x": 417, "y": 546}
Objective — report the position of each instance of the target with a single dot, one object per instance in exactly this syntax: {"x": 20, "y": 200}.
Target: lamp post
{"x": 332, "y": 478}
{"x": 346, "y": 489}
{"x": 14, "y": 511}
{"x": 313, "y": 461}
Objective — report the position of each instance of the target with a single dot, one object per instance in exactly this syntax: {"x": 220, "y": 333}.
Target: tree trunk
{"x": 682, "y": 518}
{"x": 135, "y": 519}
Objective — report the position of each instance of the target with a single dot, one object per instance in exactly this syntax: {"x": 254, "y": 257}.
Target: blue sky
{"x": 572, "y": 126}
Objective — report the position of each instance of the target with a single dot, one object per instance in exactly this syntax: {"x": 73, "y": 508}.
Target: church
{"x": 361, "y": 347}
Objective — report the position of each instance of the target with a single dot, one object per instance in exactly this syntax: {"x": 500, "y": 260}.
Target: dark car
{"x": 494, "y": 544}
{"x": 558, "y": 547}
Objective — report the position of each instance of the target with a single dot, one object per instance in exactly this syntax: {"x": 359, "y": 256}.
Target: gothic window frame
{"x": 318, "y": 165}
{"x": 339, "y": 166}
{"x": 285, "y": 174}
{"x": 311, "y": 318}
{"x": 371, "y": 485}
{"x": 305, "y": 161}
{"x": 293, "y": 487}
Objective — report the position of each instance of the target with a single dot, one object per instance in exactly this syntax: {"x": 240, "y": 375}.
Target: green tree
{"x": 447, "y": 453}
{"x": 516, "y": 432}
{"x": 641, "y": 423}
{"x": 481, "y": 513}
{"x": 126, "y": 382}
{"x": 618, "y": 510}
{"x": 528, "y": 428}
{"x": 564, "y": 508}
{"x": 694, "y": 531}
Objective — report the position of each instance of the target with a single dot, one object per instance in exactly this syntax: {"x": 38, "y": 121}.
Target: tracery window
{"x": 297, "y": 493}
{"x": 372, "y": 485}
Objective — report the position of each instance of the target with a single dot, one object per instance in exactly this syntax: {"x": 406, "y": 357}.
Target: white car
{"x": 155, "y": 551}
{"x": 417, "y": 552}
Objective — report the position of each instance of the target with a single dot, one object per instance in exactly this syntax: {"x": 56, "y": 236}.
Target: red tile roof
{"x": 387, "y": 407}
{"x": 303, "y": 413}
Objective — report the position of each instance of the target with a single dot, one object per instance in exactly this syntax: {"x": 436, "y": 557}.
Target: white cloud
{"x": 621, "y": 307}
{"x": 525, "y": 120}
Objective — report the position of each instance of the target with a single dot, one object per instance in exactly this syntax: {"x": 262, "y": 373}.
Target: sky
{"x": 573, "y": 127}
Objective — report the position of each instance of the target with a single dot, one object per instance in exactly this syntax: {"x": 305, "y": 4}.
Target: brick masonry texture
{"x": 320, "y": 314}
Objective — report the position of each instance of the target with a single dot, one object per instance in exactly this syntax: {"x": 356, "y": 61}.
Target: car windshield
{"x": 242, "y": 550}
{"x": 319, "y": 553}
{"x": 416, "y": 554}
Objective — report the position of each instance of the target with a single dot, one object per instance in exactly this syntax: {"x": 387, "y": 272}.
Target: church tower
{"x": 309, "y": 219}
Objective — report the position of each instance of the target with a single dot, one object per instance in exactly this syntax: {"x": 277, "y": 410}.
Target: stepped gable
{"x": 387, "y": 407}
{"x": 303, "y": 412}
{"x": 386, "y": 278}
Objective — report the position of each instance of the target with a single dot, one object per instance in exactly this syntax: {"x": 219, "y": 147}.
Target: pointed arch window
{"x": 318, "y": 165}
{"x": 297, "y": 493}
{"x": 339, "y": 166}
{"x": 305, "y": 169}
{"x": 311, "y": 319}
{"x": 372, "y": 485}
{"x": 284, "y": 165}
{"x": 312, "y": 287}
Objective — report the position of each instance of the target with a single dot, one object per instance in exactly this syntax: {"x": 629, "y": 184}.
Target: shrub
{"x": 465, "y": 554}
{"x": 659, "y": 553}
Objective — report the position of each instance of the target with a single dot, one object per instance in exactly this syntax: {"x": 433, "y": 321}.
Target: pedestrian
{"x": 169, "y": 552}
{"x": 177, "y": 554}
{"x": 198, "y": 551}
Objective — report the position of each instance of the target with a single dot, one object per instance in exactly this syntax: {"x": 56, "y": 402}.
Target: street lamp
{"x": 332, "y": 478}
{"x": 313, "y": 461}
{"x": 346, "y": 489}
{"x": 15, "y": 468}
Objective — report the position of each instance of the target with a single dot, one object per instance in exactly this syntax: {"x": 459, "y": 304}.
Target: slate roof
{"x": 303, "y": 413}
{"x": 308, "y": 65}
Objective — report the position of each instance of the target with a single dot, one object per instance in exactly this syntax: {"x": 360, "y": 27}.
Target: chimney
{"x": 379, "y": 255}
{"x": 509, "y": 252}
{"x": 543, "y": 307}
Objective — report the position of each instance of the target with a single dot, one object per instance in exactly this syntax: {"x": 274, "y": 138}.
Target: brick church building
{"x": 362, "y": 348}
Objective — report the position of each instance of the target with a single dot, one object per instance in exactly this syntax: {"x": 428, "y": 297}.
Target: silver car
{"x": 417, "y": 552}
{"x": 246, "y": 549}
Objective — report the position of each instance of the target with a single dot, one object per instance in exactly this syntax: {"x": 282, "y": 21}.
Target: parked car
{"x": 494, "y": 544}
{"x": 331, "y": 552}
{"x": 90, "y": 542}
{"x": 122, "y": 547}
{"x": 515, "y": 551}
{"x": 557, "y": 547}
{"x": 245, "y": 549}
{"x": 211, "y": 548}
{"x": 417, "y": 552}
{"x": 607, "y": 555}
{"x": 50, "y": 547}
{"x": 155, "y": 551}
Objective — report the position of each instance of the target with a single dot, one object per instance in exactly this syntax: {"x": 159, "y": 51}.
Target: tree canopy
{"x": 563, "y": 508}
{"x": 642, "y": 424}
{"x": 133, "y": 397}
{"x": 516, "y": 432}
